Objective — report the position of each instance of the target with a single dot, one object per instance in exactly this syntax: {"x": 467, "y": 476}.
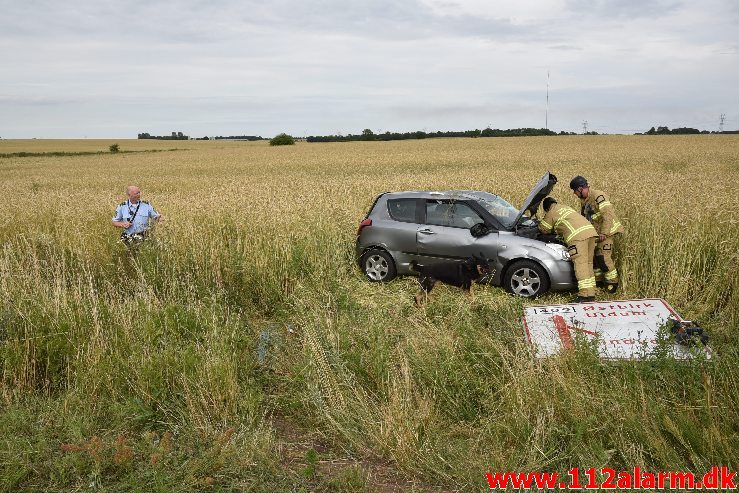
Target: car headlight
{"x": 560, "y": 250}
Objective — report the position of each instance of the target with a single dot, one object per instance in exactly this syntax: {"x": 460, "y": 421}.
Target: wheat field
{"x": 177, "y": 369}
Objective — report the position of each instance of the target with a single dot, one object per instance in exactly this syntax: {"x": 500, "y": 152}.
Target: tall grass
{"x": 164, "y": 370}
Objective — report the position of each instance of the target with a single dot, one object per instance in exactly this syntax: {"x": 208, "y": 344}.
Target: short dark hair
{"x": 548, "y": 203}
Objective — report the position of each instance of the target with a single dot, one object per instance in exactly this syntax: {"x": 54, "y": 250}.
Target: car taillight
{"x": 363, "y": 224}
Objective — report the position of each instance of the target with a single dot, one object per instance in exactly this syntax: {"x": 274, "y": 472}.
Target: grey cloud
{"x": 730, "y": 49}
{"x": 479, "y": 111}
{"x": 41, "y": 100}
{"x": 565, "y": 47}
{"x": 623, "y": 9}
{"x": 225, "y": 67}
{"x": 389, "y": 19}
{"x": 192, "y": 22}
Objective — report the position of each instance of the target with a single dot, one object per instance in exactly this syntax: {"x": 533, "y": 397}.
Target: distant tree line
{"x": 682, "y": 131}
{"x": 239, "y": 137}
{"x": 180, "y": 136}
{"x": 368, "y": 134}
{"x": 174, "y": 136}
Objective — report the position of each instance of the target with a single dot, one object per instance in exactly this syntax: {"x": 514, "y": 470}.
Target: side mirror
{"x": 479, "y": 230}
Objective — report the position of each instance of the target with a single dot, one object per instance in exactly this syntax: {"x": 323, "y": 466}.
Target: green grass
{"x": 166, "y": 342}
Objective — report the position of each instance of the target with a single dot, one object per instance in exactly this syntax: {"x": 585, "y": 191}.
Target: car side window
{"x": 402, "y": 209}
{"x": 452, "y": 214}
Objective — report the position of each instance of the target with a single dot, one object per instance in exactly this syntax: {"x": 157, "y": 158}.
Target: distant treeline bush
{"x": 232, "y": 137}
{"x": 368, "y": 134}
{"x": 174, "y": 136}
{"x": 282, "y": 139}
{"x": 238, "y": 137}
{"x": 682, "y": 131}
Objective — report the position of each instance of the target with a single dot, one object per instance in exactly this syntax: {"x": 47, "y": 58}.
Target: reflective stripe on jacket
{"x": 568, "y": 224}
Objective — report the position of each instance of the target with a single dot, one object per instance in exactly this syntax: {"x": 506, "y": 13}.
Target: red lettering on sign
{"x": 564, "y": 332}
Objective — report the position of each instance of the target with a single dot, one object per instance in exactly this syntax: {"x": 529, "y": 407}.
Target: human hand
{"x": 126, "y": 224}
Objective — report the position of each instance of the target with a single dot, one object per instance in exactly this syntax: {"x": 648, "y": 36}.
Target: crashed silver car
{"x": 428, "y": 227}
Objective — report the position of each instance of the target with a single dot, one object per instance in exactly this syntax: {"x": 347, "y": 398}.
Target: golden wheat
{"x": 258, "y": 236}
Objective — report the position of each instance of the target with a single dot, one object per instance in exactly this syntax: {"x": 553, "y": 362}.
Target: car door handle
{"x": 427, "y": 231}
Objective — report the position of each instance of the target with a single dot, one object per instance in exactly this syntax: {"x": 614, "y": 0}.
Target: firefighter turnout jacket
{"x": 598, "y": 210}
{"x": 568, "y": 224}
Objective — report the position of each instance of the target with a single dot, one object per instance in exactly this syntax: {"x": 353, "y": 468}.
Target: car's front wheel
{"x": 526, "y": 278}
{"x": 378, "y": 265}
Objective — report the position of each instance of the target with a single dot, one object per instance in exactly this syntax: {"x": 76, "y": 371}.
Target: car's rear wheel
{"x": 378, "y": 265}
{"x": 526, "y": 278}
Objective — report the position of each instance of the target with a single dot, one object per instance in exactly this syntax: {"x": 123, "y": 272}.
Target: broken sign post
{"x": 623, "y": 329}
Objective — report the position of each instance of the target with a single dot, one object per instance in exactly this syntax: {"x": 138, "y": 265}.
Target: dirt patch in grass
{"x": 325, "y": 467}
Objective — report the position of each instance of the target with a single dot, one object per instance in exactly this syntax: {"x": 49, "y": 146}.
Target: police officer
{"x": 134, "y": 216}
{"x": 598, "y": 210}
{"x": 580, "y": 237}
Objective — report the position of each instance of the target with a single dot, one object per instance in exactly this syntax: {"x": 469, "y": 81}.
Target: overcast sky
{"x": 104, "y": 68}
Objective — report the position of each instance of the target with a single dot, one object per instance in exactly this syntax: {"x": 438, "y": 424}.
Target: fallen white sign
{"x": 623, "y": 329}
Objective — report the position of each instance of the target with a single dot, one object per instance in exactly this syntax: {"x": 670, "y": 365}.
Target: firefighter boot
{"x": 611, "y": 287}
{"x": 599, "y": 268}
{"x": 584, "y": 299}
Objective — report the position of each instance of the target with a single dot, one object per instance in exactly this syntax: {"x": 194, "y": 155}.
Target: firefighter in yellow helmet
{"x": 580, "y": 237}
{"x": 600, "y": 212}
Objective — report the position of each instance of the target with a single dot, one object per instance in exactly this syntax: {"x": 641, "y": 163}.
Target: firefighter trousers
{"x": 604, "y": 266}
{"x": 581, "y": 253}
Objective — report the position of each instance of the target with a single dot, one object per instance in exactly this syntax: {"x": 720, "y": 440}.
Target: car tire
{"x": 526, "y": 278}
{"x": 378, "y": 265}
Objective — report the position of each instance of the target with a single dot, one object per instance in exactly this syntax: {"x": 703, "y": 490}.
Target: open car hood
{"x": 541, "y": 190}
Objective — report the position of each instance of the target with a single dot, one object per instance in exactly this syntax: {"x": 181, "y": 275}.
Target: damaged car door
{"x": 445, "y": 232}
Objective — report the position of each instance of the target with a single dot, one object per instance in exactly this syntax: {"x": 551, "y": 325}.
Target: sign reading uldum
{"x": 622, "y": 329}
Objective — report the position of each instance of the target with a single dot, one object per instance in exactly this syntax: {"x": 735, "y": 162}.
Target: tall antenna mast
{"x": 585, "y": 127}
{"x": 546, "y": 115}
{"x": 721, "y": 124}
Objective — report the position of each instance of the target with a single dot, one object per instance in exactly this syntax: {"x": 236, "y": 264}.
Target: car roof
{"x": 438, "y": 194}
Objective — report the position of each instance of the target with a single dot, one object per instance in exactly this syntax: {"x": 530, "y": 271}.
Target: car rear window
{"x": 402, "y": 209}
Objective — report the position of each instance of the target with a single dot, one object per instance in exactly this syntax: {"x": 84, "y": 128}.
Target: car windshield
{"x": 499, "y": 208}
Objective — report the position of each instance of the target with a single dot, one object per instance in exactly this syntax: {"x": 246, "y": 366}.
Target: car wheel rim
{"x": 525, "y": 282}
{"x": 376, "y": 267}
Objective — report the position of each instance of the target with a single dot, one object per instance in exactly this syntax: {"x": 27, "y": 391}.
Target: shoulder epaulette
{"x": 122, "y": 203}
{"x": 145, "y": 202}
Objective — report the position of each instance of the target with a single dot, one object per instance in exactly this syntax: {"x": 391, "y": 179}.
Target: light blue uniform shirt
{"x": 142, "y": 212}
